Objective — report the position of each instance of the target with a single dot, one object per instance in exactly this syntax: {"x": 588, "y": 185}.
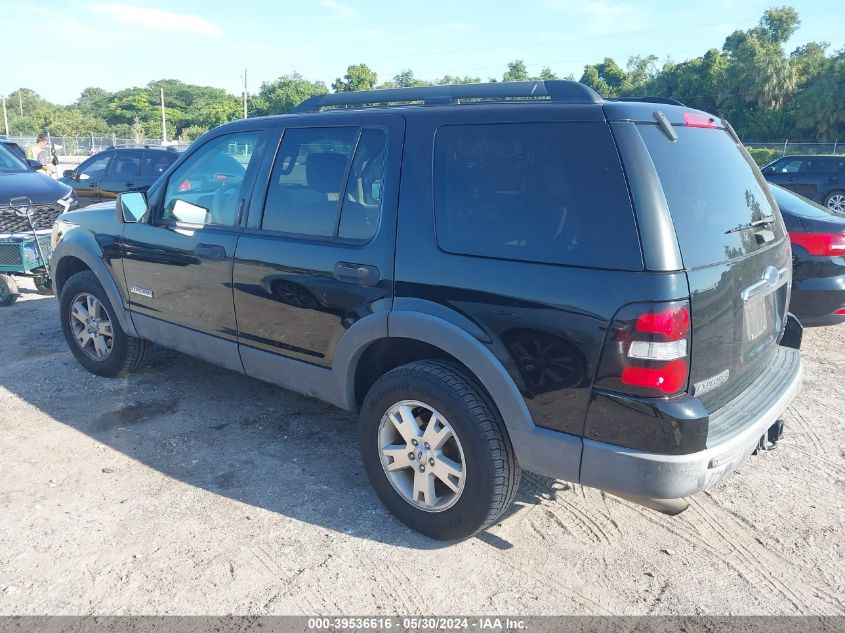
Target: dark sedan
{"x": 818, "y": 259}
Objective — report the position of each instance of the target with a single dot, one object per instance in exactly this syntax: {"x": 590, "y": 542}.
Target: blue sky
{"x": 120, "y": 44}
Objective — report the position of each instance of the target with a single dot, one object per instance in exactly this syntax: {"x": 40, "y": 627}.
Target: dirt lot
{"x": 187, "y": 489}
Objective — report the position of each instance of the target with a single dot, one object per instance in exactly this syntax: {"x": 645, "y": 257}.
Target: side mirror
{"x": 131, "y": 206}
{"x": 34, "y": 164}
{"x": 69, "y": 174}
{"x": 769, "y": 170}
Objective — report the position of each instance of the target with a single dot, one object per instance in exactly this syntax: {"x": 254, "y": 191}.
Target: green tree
{"x": 456, "y": 79}
{"x": 516, "y": 71}
{"x": 357, "y": 77}
{"x": 284, "y": 94}
{"x": 546, "y": 74}
{"x": 606, "y": 78}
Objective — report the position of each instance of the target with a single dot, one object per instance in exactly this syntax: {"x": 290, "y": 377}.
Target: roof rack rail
{"x": 561, "y": 91}
{"x": 665, "y": 100}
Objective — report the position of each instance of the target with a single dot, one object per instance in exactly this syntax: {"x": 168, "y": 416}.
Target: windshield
{"x": 717, "y": 198}
{"x": 799, "y": 205}
{"x": 9, "y": 162}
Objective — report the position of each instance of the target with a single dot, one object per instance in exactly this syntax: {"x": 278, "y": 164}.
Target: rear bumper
{"x": 643, "y": 474}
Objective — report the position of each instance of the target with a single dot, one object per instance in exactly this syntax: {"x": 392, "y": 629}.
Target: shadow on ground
{"x": 216, "y": 430}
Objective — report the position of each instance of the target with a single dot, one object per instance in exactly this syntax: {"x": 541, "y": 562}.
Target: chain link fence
{"x": 789, "y": 148}
{"x": 82, "y": 146}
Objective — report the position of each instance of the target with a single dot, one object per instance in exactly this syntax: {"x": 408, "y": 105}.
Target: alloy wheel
{"x": 422, "y": 456}
{"x": 91, "y": 326}
{"x": 836, "y": 203}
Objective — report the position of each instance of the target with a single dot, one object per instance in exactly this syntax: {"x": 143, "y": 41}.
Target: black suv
{"x": 105, "y": 174}
{"x": 499, "y": 277}
{"x": 819, "y": 178}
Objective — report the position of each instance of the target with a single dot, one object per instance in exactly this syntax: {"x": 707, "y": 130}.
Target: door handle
{"x": 130, "y": 184}
{"x": 357, "y": 273}
{"x": 211, "y": 252}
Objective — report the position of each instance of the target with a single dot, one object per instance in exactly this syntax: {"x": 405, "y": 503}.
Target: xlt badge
{"x": 144, "y": 292}
{"x": 709, "y": 384}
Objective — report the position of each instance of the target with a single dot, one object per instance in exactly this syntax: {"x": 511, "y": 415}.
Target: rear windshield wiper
{"x": 764, "y": 221}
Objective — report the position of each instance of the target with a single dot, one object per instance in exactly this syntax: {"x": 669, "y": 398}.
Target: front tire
{"x": 436, "y": 452}
{"x": 92, "y": 331}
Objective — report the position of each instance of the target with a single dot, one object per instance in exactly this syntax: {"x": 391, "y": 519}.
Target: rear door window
{"x": 156, "y": 163}
{"x": 540, "y": 192}
{"x": 711, "y": 188}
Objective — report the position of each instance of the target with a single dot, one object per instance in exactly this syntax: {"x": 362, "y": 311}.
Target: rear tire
{"x": 439, "y": 396}
{"x": 8, "y": 290}
{"x": 835, "y": 201}
{"x": 123, "y": 353}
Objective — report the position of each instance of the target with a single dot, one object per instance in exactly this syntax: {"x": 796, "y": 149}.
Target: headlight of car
{"x": 69, "y": 201}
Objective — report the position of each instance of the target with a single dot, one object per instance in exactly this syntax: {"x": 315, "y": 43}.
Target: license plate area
{"x": 756, "y": 316}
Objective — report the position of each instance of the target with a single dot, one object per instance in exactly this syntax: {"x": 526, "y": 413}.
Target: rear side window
{"x": 156, "y": 163}
{"x": 540, "y": 192}
{"x": 326, "y": 183}
{"x": 126, "y": 164}
{"x": 711, "y": 188}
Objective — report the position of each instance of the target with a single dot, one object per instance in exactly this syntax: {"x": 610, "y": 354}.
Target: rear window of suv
{"x": 711, "y": 188}
{"x": 539, "y": 192}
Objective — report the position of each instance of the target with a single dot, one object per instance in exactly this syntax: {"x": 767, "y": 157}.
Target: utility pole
{"x": 245, "y": 96}
{"x": 20, "y": 100}
{"x": 163, "y": 120}
{"x": 6, "y": 119}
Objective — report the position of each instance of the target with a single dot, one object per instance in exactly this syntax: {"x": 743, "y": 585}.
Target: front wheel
{"x": 8, "y": 290}
{"x": 436, "y": 451}
{"x": 835, "y": 201}
{"x": 93, "y": 333}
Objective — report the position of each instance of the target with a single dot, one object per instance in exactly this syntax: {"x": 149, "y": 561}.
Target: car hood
{"x": 39, "y": 188}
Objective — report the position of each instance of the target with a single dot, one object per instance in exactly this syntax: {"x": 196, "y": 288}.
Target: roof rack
{"x": 665, "y": 100}
{"x": 558, "y": 91}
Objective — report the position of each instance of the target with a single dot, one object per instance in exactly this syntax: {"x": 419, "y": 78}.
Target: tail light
{"x": 840, "y": 311}
{"x": 646, "y": 351}
{"x": 696, "y": 119}
{"x": 822, "y": 244}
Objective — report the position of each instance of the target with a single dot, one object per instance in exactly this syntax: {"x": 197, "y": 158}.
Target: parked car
{"x": 18, "y": 177}
{"x": 590, "y": 290}
{"x": 819, "y": 178}
{"x": 102, "y": 176}
{"x": 13, "y": 147}
{"x": 818, "y": 259}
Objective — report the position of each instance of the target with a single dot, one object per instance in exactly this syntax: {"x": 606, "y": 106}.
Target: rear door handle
{"x": 212, "y": 252}
{"x": 357, "y": 273}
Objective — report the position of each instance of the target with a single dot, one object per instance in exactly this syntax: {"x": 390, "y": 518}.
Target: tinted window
{"x": 825, "y": 165}
{"x": 94, "y": 167}
{"x": 789, "y": 166}
{"x": 126, "y": 164}
{"x": 9, "y": 162}
{"x": 204, "y": 189}
{"x": 711, "y": 187}
{"x": 156, "y": 163}
{"x": 359, "y": 216}
{"x": 304, "y": 196}
{"x": 543, "y": 192}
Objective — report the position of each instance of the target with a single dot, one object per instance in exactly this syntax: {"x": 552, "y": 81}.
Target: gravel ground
{"x": 187, "y": 489}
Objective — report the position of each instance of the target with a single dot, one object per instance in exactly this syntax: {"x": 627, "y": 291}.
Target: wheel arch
{"x": 74, "y": 254}
{"x": 537, "y": 449}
